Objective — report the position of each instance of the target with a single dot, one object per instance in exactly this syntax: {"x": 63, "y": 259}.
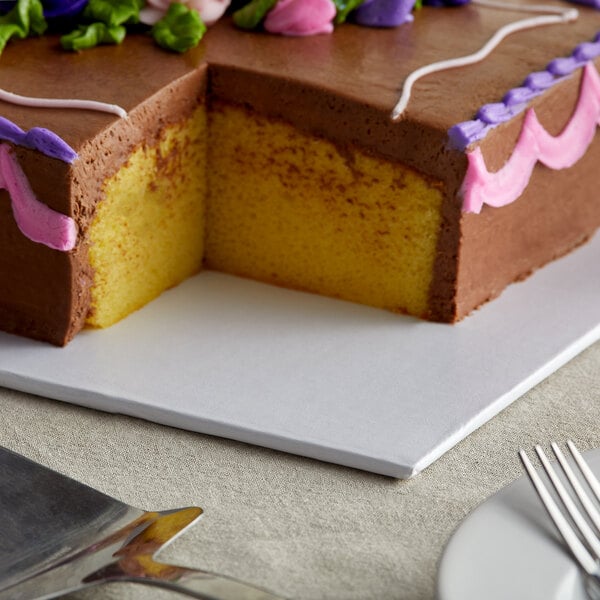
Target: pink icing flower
{"x": 301, "y": 17}
{"x": 210, "y": 10}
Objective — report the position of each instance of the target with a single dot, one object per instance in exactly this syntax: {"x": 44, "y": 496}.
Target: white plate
{"x": 318, "y": 377}
{"x": 508, "y": 548}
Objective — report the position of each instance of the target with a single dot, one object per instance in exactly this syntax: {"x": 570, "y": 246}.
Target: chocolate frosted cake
{"x": 419, "y": 167}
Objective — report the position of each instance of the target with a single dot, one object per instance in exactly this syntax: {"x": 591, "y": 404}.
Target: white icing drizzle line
{"x": 62, "y": 103}
{"x": 557, "y": 15}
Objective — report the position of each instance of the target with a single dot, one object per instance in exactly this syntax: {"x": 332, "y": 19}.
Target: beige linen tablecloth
{"x": 303, "y": 528}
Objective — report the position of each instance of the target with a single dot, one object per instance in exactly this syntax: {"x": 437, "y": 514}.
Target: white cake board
{"x": 318, "y": 377}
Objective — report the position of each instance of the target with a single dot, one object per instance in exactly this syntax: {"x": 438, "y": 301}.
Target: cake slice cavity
{"x": 295, "y": 210}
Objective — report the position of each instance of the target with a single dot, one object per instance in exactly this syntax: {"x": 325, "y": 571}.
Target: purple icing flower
{"x": 63, "y": 8}
{"x": 444, "y": 3}
{"x": 383, "y": 13}
{"x": 52, "y": 8}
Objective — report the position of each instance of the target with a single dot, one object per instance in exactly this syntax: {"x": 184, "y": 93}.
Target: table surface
{"x": 303, "y": 528}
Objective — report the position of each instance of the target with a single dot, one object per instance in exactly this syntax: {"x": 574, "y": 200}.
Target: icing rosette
{"x": 384, "y": 13}
{"x": 210, "y": 11}
{"x": 301, "y": 17}
{"x": 287, "y": 17}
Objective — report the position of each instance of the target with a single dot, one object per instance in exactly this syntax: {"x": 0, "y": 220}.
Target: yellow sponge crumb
{"x": 290, "y": 209}
{"x": 147, "y": 234}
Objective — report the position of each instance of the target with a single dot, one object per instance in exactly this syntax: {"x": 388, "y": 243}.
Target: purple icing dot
{"x": 539, "y": 81}
{"x": 494, "y": 113}
{"x": 384, "y": 13}
{"x": 519, "y": 95}
{"x": 463, "y": 134}
{"x": 586, "y": 51}
{"x": 562, "y": 66}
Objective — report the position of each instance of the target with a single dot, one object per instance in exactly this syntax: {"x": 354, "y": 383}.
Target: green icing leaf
{"x": 180, "y": 29}
{"x": 344, "y": 8}
{"x": 88, "y": 36}
{"x": 25, "y": 18}
{"x": 251, "y": 15}
{"x": 35, "y": 12}
{"x": 114, "y": 12}
{"x": 108, "y": 19}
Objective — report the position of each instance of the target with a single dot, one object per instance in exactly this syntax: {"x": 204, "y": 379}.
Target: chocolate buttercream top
{"x": 343, "y": 86}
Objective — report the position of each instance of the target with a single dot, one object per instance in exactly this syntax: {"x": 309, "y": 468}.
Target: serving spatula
{"x": 58, "y": 535}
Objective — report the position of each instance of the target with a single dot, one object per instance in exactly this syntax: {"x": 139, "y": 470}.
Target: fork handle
{"x": 208, "y": 586}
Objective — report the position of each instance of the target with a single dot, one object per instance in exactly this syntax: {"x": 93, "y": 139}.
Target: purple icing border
{"x": 37, "y": 138}
{"x": 517, "y": 99}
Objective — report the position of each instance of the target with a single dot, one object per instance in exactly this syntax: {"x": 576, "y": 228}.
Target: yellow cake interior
{"x": 288, "y": 208}
{"x": 260, "y": 199}
{"x": 148, "y": 233}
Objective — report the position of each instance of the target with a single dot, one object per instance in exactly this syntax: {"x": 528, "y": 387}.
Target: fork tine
{"x": 581, "y": 494}
{"x": 579, "y": 551}
{"x": 586, "y": 531}
{"x": 585, "y": 469}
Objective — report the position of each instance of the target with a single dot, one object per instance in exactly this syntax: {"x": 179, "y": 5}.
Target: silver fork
{"x": 579, "y": 532}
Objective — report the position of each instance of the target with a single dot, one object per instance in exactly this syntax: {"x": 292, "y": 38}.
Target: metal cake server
{"x": 58, "y": 535}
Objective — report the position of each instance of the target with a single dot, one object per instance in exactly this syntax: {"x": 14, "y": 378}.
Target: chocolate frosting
{"x": 342, "y": 87}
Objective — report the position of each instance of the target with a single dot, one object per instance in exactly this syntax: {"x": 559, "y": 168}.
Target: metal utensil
{"x": 58, "y": 535}
{"x": 579, "y": 528}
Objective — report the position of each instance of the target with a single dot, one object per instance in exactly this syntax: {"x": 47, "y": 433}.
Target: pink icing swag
{"x": 301, "y": 17}
{"x": 535, "y": 144}
{"x": 36, "y": 221}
